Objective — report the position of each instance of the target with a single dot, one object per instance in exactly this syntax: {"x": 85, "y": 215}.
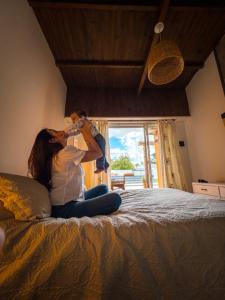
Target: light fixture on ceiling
{"x": 166, "y": 62}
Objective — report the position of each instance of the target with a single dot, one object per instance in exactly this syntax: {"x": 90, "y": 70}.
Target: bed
{"x": 161, "y": 244}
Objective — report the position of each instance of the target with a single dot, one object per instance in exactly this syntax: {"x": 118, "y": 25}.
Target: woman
{"x": 57, "y": 166}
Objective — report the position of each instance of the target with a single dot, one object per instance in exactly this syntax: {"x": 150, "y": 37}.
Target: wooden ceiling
{"x": 105, "y": 44}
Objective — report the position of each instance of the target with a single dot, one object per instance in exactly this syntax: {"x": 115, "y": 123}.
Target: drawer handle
{"x": 204, "y": 190}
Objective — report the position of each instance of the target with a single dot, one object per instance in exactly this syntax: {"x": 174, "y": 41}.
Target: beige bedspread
{"x": 161, "y": 244}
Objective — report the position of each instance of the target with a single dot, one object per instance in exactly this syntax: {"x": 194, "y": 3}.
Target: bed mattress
{"x": 160, "y": 244}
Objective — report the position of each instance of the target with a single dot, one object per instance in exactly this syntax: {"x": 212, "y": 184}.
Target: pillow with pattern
{"x": 24, "y": 197}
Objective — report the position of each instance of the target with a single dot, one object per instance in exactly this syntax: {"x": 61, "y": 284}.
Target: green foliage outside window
{"x": 122, "y": 163}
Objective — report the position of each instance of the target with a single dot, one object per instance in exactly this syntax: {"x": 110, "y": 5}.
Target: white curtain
{"x": 92, "y": 179}
{"x": 172, "y": 173}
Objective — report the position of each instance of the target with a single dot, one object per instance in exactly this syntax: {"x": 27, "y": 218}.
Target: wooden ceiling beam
{"x": 114, "y": 64}
{"x": 208, "y": 8}
{"x": 99, "y": 64}
{"x": 95, "y": 6}
{"x": 194, "y": 64}
{"x": 133, "y": 7}
{"x": 162, "y": 16}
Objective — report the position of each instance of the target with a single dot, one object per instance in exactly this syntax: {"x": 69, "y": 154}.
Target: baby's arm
{"x": 71, "y": 130}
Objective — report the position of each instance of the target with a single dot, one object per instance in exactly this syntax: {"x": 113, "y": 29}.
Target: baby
{"x": 78, "y": 118}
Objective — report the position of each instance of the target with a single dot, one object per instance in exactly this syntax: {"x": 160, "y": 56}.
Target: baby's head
{"x": 76, "y": 115}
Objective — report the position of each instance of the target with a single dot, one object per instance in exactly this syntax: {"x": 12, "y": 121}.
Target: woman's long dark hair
{"x": 40, "y": 160}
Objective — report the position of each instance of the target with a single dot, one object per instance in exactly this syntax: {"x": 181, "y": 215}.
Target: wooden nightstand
{"x": 210, "y": 189}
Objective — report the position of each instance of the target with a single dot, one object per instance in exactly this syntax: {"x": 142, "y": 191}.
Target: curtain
{"x": 92, "y": 179}
{"x": 172, "y": 173}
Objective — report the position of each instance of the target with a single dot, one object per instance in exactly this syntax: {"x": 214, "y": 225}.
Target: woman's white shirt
{"x": 67, "y": 176}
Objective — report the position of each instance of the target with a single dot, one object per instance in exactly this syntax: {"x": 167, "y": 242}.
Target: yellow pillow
{"x": 24, "y": 197}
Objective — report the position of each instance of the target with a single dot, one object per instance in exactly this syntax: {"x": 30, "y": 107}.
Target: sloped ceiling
{"x": 105, "y": 44}
{"x": 100, "y": 44}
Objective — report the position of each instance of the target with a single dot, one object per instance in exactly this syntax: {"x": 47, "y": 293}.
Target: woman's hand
{"x": 86, "y": 127}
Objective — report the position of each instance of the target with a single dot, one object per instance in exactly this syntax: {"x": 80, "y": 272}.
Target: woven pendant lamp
{"x": 165, "y": 63}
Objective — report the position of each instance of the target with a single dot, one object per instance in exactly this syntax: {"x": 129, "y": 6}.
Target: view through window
{"x": 134, "y": 155}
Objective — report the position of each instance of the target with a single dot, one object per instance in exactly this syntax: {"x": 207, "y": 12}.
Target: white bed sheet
{"x": 161, "y": 244}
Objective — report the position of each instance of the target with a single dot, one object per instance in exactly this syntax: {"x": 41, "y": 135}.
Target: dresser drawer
{"x": 222, "y": 192}
{"x": 206, "y": 189}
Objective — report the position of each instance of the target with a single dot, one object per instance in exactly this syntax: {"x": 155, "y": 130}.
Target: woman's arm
{"x": 94, "y": 150}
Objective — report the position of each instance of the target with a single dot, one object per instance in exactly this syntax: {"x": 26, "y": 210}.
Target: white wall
{"x": 205, "y": 130}
{"x": 32, "y": 91}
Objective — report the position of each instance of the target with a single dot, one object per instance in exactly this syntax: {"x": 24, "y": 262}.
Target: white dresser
{"x": 211, "y": 189}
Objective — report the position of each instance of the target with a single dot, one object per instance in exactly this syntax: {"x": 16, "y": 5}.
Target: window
{"x": 134, "y": 154}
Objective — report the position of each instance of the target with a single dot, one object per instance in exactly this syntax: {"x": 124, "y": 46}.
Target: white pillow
{"x": 24, "y": 197}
